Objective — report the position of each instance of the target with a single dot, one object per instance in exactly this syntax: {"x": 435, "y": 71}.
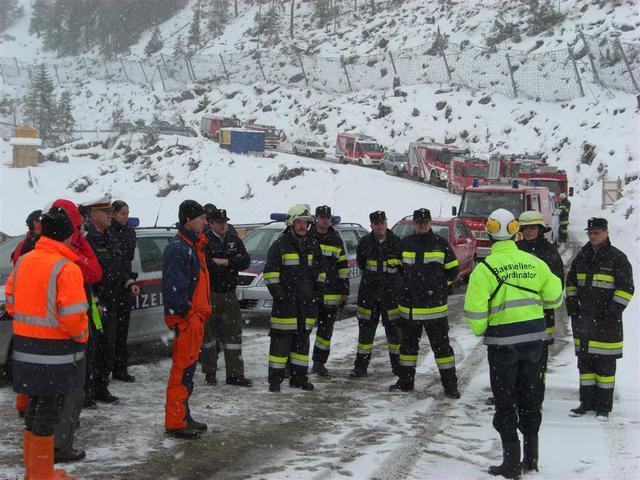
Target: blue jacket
{"x": 180, "y": 270}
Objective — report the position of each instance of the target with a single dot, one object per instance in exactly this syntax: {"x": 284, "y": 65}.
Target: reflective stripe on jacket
{"x": 335, "y": 265}
{"x": 513, "y": 316}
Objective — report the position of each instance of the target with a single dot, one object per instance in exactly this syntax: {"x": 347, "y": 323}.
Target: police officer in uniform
{"x": 599, "y": 287}
{"x": 429, "y": 268}
{"x": 505, "y": 301}
{"x": 294, "y": 276}
{"x": 226, "y": 256}
{"x": 533, "y": 228}
{"x": 336, "y": 292}
{"x": 378, "y": 256}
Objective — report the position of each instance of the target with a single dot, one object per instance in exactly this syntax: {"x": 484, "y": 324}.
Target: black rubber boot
{"x": 510, "y": 467}
{"x": 402, "y": 385}
{"x": 304, "y": 384}
{"x": 530, "y": 454}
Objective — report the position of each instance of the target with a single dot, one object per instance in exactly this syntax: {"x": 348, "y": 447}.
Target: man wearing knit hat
{"x": 187, "y": 306}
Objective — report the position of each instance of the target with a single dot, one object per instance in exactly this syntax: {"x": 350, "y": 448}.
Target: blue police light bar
{"x": 278, "y": 217}
{"x": 514, "y": 184}
{"x": 475, "y": 182}
{"x": 335, "y": 219}
{"x": 133, "y": 222}
{"x": 536, "y": 183}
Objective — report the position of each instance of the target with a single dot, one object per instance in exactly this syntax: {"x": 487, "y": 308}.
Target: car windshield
{"x": 404, "y": 229}
{"x": 553, "y": 185}
{"x": 369, "y": 147}
{"x": 400, "y": 158}
{"x": 6, "y": 249}
{"x": 475, "y": 171}
{"x": 258, "y": 241}
{"x": 313, "y": 144}
{"x": 481, "y": 204}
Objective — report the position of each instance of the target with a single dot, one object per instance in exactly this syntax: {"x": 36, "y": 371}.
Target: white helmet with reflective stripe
{"x": 501, "y": 224}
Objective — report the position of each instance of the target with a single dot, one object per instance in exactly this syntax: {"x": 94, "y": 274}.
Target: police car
{"x": 252, "y": 291}
{"x": 147, "y": 315}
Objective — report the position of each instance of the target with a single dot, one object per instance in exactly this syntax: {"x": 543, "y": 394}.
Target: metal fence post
{"x": 260, "y": 66}
{"x": 513, "y": 82}
{"x": 575, "y": 70}
{"x": 626, "y": 62}
{"x": 596, "y": 78}
{"x": 125, "y": 70}
{"x": 104, "y": 62}
{"x": 144, "y": 73}
{"x": 164, "y": 87}
{"x": 85, "y": 66}
{"x": 193, "y": 72}
{"x": 395, "y": 71}
{"x": 444, "y": 57}
{"x": 346, "y": 74}
{"x": 55, "y": 69}
{"x": 224, "y": 67}
{"x": 4, "y": 80}
{"x": 186, "y": 61}
{"x": 304, "y": 73}
{"x": 17, "y": 66}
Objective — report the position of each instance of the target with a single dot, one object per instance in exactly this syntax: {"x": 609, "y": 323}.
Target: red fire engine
{"x": 358, "y": 149}
{"x": 210, "y": 124}
{"x": 273, "y": 136}
{"x": 479, "y": 201}
{"x": 430, "y": 161}
{"x": 462, "y": 171}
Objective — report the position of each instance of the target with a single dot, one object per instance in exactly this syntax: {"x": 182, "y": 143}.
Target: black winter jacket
{"x": 380, "y": 263}
{"x": 546, "y": 252}
{"x": 599, "y": 287}
{"x": 429, "y": 267}
{"x": 225, "y": 278}
{"x": 294, "y": 276}
{"x": 335, "y": 265}
{"x": 124, "y": 238}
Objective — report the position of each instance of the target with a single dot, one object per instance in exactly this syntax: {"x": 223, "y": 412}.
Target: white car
{"x": 308, "y": 148}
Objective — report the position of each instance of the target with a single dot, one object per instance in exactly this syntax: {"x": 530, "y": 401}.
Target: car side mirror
{"x": 454, "y": 211}
{"x": 571, "y": 191}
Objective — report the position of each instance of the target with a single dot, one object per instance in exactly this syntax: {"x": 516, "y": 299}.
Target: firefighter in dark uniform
{"x": 429, "y": 268}
{"x": 533, "y": 228}
{"x": 379, "y": 259}
{"x": 294, "y": 276}
{"x": 505, "y": 302}
{"x": 565, "y": 208}
{"x": 336, "y": 293}
{"x": 599, "y": 287}
{"x": 226, "y": 256}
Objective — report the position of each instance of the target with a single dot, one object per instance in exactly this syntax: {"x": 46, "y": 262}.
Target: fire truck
{"x": 530, "y": 169}
{"x": 478, "y": 201}
{"x": 358, "y": 149}
{"x": 273, "y": 136}
{"x": 210, "y": 124}
{"x": 462, "y": 172}
{"x": 430, "y": 161}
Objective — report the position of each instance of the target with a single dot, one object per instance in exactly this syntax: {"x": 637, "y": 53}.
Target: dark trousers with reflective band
{"x": 514, "y": 371}
{"x": 438, "y": 333}
{"x": 104, "y": 344}
{"x": 121, "y": 353}
{"x": 43, "y": 414}
{"x": 291, "y": 347}
{"x": 70, "y": 415}
{"x": 597, "y": 381}
{"x": 367, "y": 333}
{"x": 223, "y": 331}
{"x": 544, "y": 359}
{"x": 326, "y": 320}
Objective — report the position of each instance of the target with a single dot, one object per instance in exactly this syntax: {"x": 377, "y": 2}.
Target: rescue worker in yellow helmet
{"x": 507, "y": 294}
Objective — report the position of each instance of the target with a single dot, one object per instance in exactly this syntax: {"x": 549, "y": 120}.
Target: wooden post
{"x": 444, "y": 57}
{"x": 124, "y": 69}
{"x": 55, "y": 69}
{"x": 4, "y": 80}
{"x": 17, "y": 65}
{"x": 346, "y": 74}
{"x": 596, "y": 78}
{"x": 104, "y": 62}
{"x": 186, "y": 61}
{"x": 575, "y": 70}
{"x": 85, "y": 66}
{"x": 193, "y": 72}
{"x": 395, "y": 71}
{"x": 164, "y": 87}
{"x": 224, "y": 67}
{"x": 144, "y": 73}
{"x": 166, "y": 69}
{"x": 626, "y": 62}
{"x": 304, "y": 74}
{"x": 513, "y": 82}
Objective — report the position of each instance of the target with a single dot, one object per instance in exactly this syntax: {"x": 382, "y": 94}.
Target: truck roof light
{"x": 475, "y": 182}
{"x": 514, "y": 184}
{"x": 536, "y": 183}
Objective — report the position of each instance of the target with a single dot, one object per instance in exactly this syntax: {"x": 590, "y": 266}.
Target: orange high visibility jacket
{"x": 46, "y": 298}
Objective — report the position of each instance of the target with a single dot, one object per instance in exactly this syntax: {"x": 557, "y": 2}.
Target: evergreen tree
{"x": 155, "y": 43}
{"x": 178, "y": 48}
{"x": 10, "y": 11}
{"x": 39, "y": 15}
{"x": 218, "y": 16}
{"x": 40, "y": 104}
{"x": 65, "y": 122}
{"x": 193, "y": 41}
